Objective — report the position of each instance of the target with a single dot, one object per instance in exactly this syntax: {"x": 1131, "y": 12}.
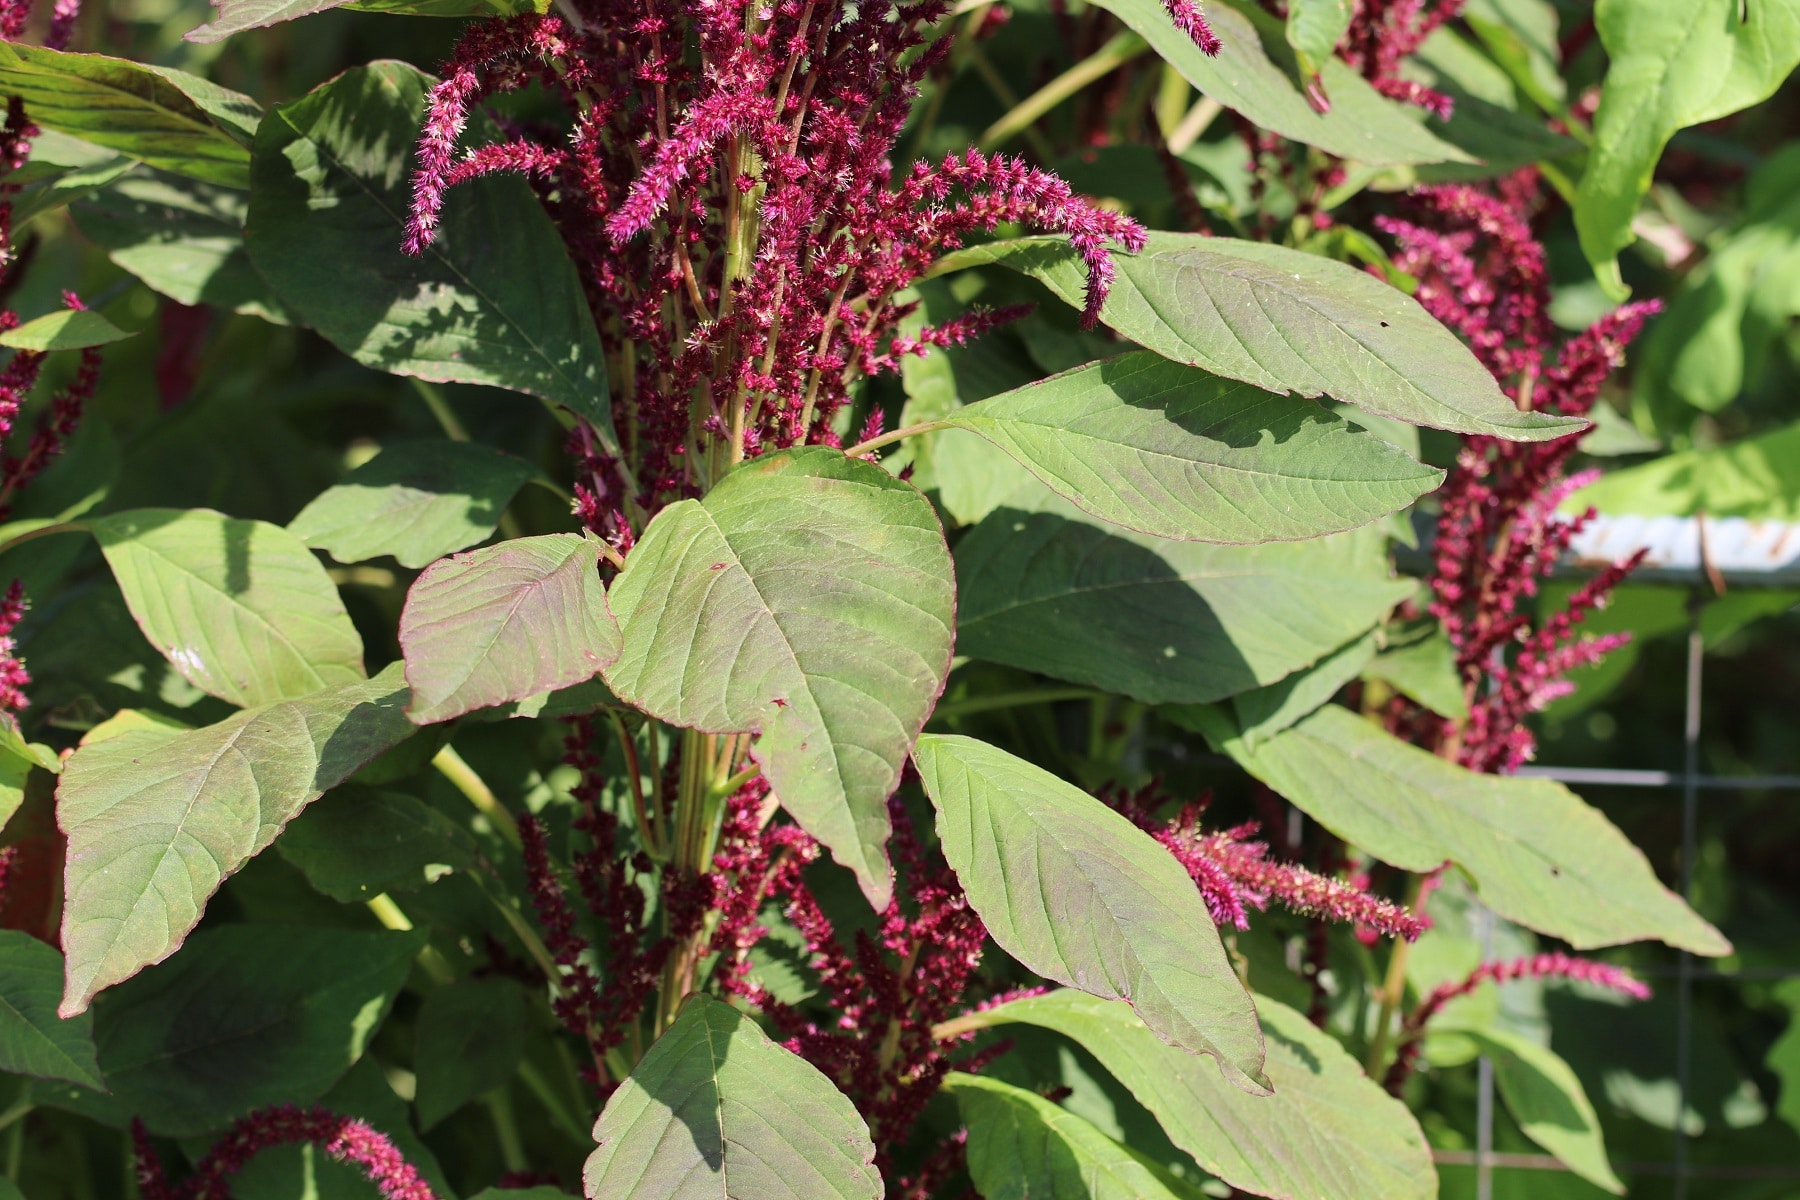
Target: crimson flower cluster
{"x": 1235, "y": 874}
{"x": 1482, "y": 272}
{"x": 342, "y": 1139}
{"x": 1554, "y": 965}
{"x": 726, "y": 186}
{"x": 886, "y": 990}
{"x": 1387, "y": 32}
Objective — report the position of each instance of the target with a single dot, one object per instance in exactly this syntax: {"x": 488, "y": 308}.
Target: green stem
{"x": 42, "y": 531}
{"x": 1172, "y": 93}
{"x": 862, "y": 448}
{"x": 560, "y": 1116}
{"x": 430, "y": 961}
{"x": 1393, "y": 989}
{"x": 1116, "y": 53}
{"x": 19, "y": 1110}
{"x": 634, "y": 773}
{"x": 439, "y": 404}
{"x": 980, "y": 704}
{"x": 462, "y": 776}
{"x": 997, "y": 84}
{"x": 506, "y": 1129}
{"x": 534, "y": 945}
{"x": 1187, "y": 131}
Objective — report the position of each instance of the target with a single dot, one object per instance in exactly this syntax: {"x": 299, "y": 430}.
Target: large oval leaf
{"x": 241, "y": 608}
{"x": 503, "y": 623}
{"x": 1169, "y": 450}
{"x": 415, "y": 501}
{"x": 1536, "y": 852}
{"x": 329, "y": 197}
{"x": 1046, "y": 588}
{"x": 1285, "y": 320}
{"x": 1362, "y": 125}
{"x": 163, "y": 117}
{"x": 156, "y": 819}
{"x": 1328, "y": 1133}
{"x": 1674, "y": 63}
{"x": 716, "y": 1111}
{"x": 1023, "y": 1147}
{"x": 808, "y": 598}
{"x": 249, "y": 1015}
{"x": 1081, "y": 895}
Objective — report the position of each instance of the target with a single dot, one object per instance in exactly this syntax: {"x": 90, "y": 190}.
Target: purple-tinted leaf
{"x": 503, "y": 623}
{"x": 809, "y": 598}
{"x": 716, "y": 1110}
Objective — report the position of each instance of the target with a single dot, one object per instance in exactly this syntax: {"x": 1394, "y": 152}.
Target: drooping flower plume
{"x": 738, "y": 219}
{"x": 1483, "y": 273}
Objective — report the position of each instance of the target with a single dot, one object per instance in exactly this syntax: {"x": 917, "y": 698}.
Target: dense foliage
{"x": 809, "y": 599}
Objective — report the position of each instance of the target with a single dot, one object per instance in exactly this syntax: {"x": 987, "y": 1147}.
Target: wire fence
{"x": 1693, "y": 553}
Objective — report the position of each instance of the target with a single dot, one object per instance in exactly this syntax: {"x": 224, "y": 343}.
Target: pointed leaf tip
{"x": 808, "y": 598}
{"x": 1080, "y": 895}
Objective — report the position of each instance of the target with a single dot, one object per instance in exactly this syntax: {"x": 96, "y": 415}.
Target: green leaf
{"x": 70, "y": 329}
{"x": 241, "y": 608}
{"x": 1757, "y": 478}
{"x": 1710, "y": 346}
{"x": 169, "y": 119}
{"x": 157, "y": 820}
{"x": 1174, "y": 452}
{"x": 18, "y": 759}
{"x": 715, "y": 1110}
{"x": 1545, "y": 1097}
{"x": 1675, "y": 63}
{"x": 1269, "y": 710}
{"x": 1285, "y": 320}
{"x": 469, "y": 1039}
{"x": 61, "y": 170}
{"x": 1363, "y": 125}
{"x": 1023, "y": 1147}
{"x": 504, "y": 623}
{"x": 1045, "y": 588}
{"x": 1421, "y": 664}
{"x": 33, "y": 1039}
{"x": 332, "y": 191}
{"x": 1314, "y": 28}
{"x": 182, "y": 238}
{"x": 1079, "y": 894}
{"x": 962, "y": 472}
{"x": 247, "y": 1016}
{"x": 1359, "y": 1143}
{"x": 355, "y": 843}
{"x": 237, "y": 16}
{"x": 1535, "y": 851}
{"x": 1522, "y": 36}
{"x": 415, "y": 501}
{"x": 808, "y": 598}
